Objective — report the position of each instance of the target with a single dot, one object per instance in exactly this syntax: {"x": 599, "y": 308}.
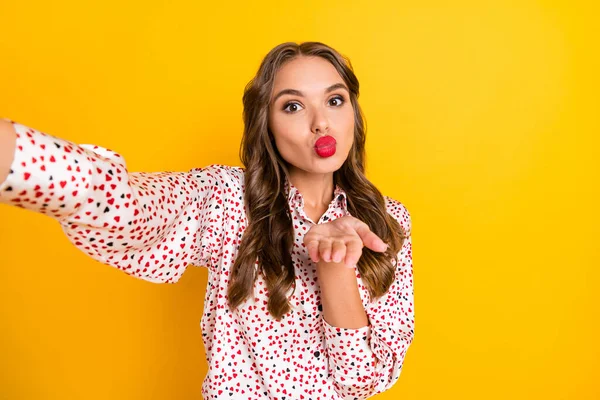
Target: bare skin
{"x": 8, "y": 138}
{"x": 298, "y": 120}
{"x": 317, "y": 105}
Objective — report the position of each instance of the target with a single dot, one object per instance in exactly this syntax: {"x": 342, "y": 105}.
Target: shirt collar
{"x": 295, "y": 198}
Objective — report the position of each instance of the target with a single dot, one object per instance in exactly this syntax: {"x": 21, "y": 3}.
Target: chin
{"x": 318, "y": 165}
{"x": 330, "y": 164}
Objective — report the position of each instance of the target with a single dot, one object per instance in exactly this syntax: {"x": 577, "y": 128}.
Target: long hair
{"x": 267, "y": 243}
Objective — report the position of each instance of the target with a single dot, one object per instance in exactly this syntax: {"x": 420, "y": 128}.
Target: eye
{"x": 340, "y": 100}
{"x": 291, "y": 107}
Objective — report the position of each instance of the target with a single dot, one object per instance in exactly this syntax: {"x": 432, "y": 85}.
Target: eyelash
{"x": 339, "y": 97}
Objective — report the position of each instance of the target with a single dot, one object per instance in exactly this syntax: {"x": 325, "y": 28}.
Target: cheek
{"x": 344, "y": 121}
{"x": 288, "y": 131}
{"x": 345, "y": 125}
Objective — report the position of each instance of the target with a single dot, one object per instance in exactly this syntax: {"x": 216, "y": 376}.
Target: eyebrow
{"x": 299, "y": 93}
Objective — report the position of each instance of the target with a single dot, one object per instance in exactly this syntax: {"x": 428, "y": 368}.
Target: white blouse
{"x": 153, "y": 225}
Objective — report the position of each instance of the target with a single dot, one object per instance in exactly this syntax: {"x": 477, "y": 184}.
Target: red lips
{"x": 325, "y": 146}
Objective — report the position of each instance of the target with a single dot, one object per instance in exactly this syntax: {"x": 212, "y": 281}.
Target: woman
{"x": 310, "y": 285}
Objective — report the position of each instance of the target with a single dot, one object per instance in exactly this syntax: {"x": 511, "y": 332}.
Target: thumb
{"x": 370, "y": 239}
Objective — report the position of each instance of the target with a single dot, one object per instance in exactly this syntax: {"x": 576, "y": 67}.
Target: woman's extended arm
{"x": 149, "y": 225}
{"x": 8, "y": 138}
{"x": 368, "y": 360}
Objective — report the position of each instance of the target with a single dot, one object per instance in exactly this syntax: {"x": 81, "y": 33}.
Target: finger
{"x": 313, "y": 250}
{"x": 338, "y": 251}
{"x": 370, "y": 239}
{"x": 325, "y": 250}
{"x": 353, "y": 252}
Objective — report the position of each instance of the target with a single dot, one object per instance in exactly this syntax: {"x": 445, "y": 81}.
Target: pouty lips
{"x": 325, "y": 146}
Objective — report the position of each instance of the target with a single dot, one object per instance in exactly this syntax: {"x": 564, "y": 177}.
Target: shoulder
{"x": 223, "y": 176}
{"x": 400, "y": 213}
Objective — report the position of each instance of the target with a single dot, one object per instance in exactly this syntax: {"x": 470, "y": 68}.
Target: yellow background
{"x": 483, "y": 119}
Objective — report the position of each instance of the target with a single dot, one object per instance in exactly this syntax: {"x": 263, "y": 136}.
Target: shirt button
{"x": 316, "y": 354}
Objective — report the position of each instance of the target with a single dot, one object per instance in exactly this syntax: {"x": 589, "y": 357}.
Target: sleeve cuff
{"x": 48, "y": 174}
{"x": 351, "y": 359}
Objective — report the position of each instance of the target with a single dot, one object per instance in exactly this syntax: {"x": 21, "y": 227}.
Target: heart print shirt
{"x": 152, "y": 226}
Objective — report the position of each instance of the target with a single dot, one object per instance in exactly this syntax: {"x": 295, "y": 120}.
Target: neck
{"x": 316, "y": 189}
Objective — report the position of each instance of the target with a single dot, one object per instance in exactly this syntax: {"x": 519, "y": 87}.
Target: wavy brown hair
{"x": 267, "y": 243}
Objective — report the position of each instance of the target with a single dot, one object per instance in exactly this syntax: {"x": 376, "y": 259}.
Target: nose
{"x": 320, "y": 124}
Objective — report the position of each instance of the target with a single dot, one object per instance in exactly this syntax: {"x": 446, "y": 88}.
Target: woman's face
{"x": 310, "y": 100}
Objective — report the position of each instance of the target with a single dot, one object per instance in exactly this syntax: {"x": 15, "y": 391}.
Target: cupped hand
{"x": 341, "y": 240}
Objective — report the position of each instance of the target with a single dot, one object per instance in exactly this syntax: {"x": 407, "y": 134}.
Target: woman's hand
{"x": 8, "y": 138}
{"x": 341, "y": 240}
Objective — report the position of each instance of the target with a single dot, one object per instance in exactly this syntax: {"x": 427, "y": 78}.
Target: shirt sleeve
{"x": 149, "y": 225}
{"x": 368, "y": 360}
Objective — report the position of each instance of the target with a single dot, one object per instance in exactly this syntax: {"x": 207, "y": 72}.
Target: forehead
{"x": 306, "y": 74}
